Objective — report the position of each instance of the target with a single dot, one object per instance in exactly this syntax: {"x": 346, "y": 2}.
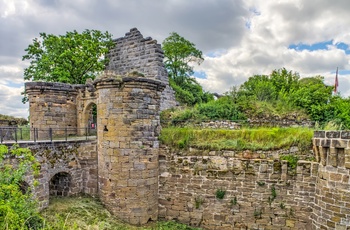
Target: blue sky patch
{"x": 14, "y": 85}
{"x": 315, "y": 46}
{"x": 200, "y": 74}
{"x": 319, "y": 46}
{"x": 342, "y": 72}
{"x": 216, "y": 53}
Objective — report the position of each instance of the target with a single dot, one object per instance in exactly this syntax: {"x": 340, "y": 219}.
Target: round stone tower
{"x": 52, "y": 105}
{"x": 129, "y": 125}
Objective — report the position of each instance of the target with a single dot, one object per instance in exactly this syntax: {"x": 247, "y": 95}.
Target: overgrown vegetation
{"x": 17, "y": 208}
{"x": 291, "y": 159}
{"x": 243, "y": 139}
{"x": 282, "y": 95}
{"x": 19, "y": 121}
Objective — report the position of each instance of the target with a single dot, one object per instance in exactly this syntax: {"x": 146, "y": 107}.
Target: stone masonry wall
{"x": 260, "y": 193}
{"x": 129, "y": 126}
{"x": 51, "y": 105}
{"x": 78, "y": 160}
{"x": 332, "y": 198}
{"x": 133, "y": 52}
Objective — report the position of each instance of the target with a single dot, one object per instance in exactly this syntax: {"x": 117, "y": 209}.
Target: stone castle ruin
{"x": 129, "y": 96}
{"x": 139, "y": 180}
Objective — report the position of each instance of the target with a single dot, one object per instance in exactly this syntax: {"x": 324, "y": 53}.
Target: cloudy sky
{"x": 239, "y": 38}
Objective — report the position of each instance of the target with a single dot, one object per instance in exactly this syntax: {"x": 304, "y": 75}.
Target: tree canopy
{"x": 70, "y": 58}
{"x": 180, "y": 54}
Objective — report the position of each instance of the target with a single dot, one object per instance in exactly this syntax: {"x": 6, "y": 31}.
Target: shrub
{"x": 220, "y": 193}
{"x": 18, "y": 209}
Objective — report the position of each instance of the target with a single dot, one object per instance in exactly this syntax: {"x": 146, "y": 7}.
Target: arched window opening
{"x": 60, "y": 184}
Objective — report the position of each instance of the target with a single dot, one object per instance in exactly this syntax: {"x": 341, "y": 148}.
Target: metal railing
{"x": 26, "y": 134}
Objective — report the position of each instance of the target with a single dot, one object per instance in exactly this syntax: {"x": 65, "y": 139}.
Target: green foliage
{"x": 260, "y": 183}
{"x": 258, "y": 87}
{"x": 312, "y": 96}
{"x": 257, "y": 213}
{"x": 171, "y": 225}
{"x": 220, "y": 193}
{"x": 233, "y": 201}
{"x": 243, "y": 139}
{"x": 291, "y": 159}
{"x": 70, "y": 58}
{"x": 198, "y": 202}
{"x": 179, "y": 55}
{"x": 223, "y": 108}
{"x": 337, "y": 113}
{"x": 18, "y": 209}
{"x": 267, "y": 88}
{"x": 282, "y": 205}
{"x": 19, "y": 121}
{"x": 273, "y": 192}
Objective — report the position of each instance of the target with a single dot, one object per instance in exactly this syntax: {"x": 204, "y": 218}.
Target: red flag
{"x": 336, "y": 82}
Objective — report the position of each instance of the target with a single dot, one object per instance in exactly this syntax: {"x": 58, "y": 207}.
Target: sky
{"x": 239, "y": 38}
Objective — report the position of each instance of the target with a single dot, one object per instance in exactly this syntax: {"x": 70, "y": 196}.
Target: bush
{"x": 18, "y": 209}
{"x": 222, "y": 109}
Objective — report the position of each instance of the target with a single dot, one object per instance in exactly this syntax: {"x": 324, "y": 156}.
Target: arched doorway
{"x": 90, "y": 118}
{"x": 60, "y": 184}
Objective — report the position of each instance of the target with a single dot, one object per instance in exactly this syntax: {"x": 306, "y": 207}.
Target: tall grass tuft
{"x": 243, "y": 139}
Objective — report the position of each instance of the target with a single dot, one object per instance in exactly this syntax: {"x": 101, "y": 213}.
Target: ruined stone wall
{"x": 332, "y": 198}
{"x": 129, "y": 125}
{"x": 77, "y": 160}
{"x": 52, "y": 105}
{"x": 260, "y": 193}
{"x": 133, "y": 52}
{"x": 86, "y": 98}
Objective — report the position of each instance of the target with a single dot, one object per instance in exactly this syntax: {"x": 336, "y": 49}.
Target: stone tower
{"x": 128, "y": 117}
{"x": 52, "y": 105}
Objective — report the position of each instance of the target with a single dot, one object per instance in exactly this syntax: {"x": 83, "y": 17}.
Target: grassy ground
{"x": 86, "y": 213}
{"x": 242, "y": 139}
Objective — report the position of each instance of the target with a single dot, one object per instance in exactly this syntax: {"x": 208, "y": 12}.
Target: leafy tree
{"x": 18, "y": 209}
{"x": 180, "y": 54}
{"x": 70, "y": 58}
{"x": 284, "y": 80}
{"x": 337, "y": 111}
{"x": 313, "y": 96}
{"x": 270, "y": 87}
{"x": 258, "y": 87}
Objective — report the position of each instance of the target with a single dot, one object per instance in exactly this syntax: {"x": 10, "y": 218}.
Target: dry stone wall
{"x": 259, "y": 193}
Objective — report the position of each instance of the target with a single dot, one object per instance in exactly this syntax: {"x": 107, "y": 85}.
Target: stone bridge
{"x": 66, "y": 168}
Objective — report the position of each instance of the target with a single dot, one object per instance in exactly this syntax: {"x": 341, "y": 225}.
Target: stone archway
{"x": 89, "y": 120}
{"x": 24, "y": 186}
{"x": 60, "y": 184}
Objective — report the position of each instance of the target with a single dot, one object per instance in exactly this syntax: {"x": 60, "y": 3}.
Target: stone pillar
{"x": 128, "y": 128}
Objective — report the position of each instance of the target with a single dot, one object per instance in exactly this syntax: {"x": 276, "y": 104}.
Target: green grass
{"x": 243, "y": 139}
{"x": 72, "y": 213}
